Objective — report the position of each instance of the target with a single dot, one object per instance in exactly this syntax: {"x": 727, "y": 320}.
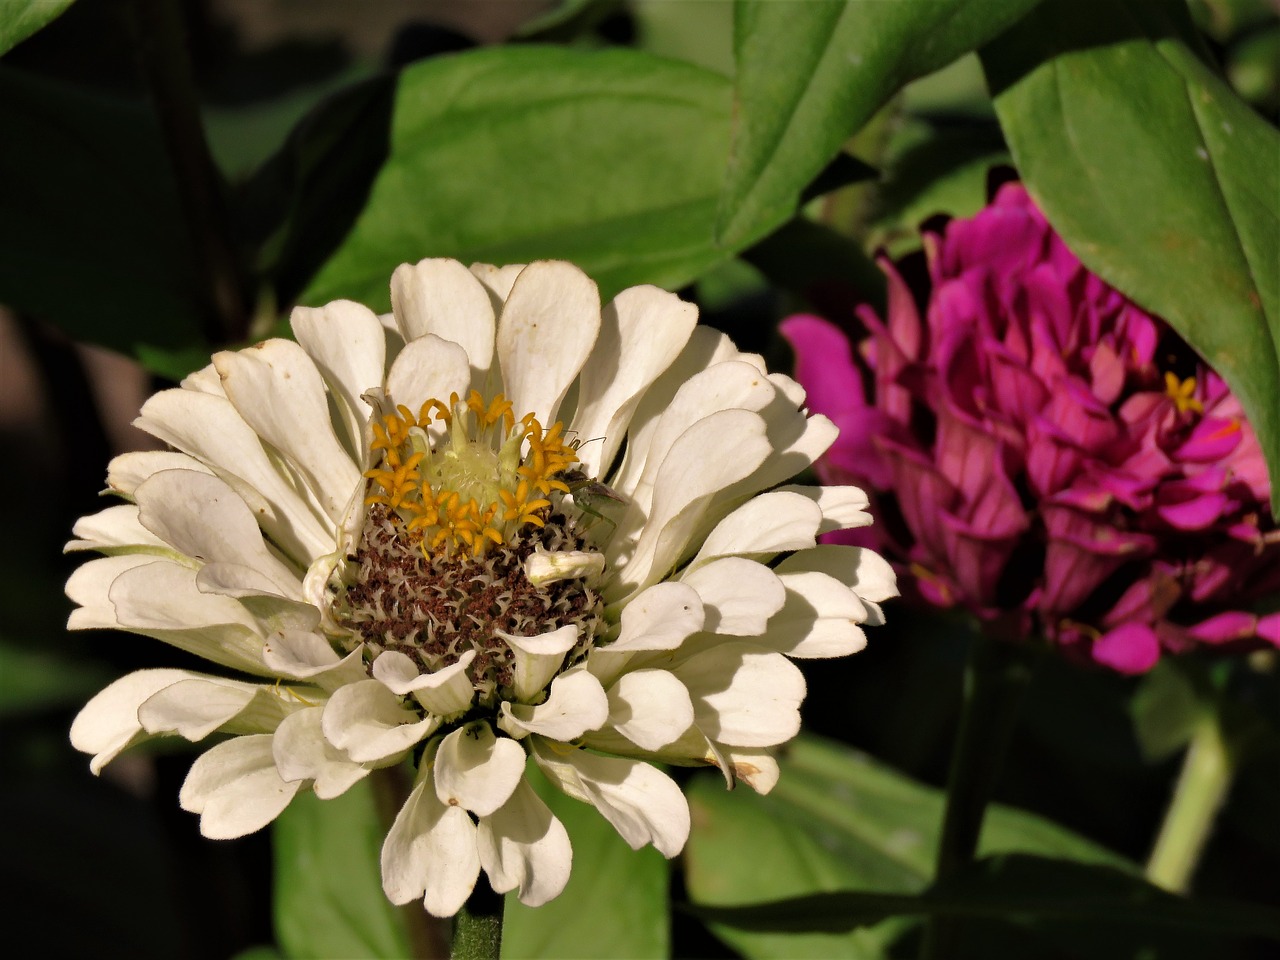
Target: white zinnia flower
{"x": 498, "y": 523}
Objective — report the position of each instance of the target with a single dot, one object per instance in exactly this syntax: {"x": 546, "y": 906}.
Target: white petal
{"x": 868, "y": 574}
{"x": 820, "y": 618}
{"x": 706, "y": 348}
{"x": 642, "y": 332}
{"x": 769, "y": 524}
{"x": 108, "y": 724}
{"x": 538, "y": 659}
{"x": 659, "y": 618}
{"x": 430, "y": 852}
{"x": 198, "y": 706}
{"x": 302, "y": 753}
{"x": 347, "y": 344}
{"x": 576, "y": 704}
{"x": 235, "y": 788}
{"x": 744, "y": 697}
{"x": 651, "y": 708}
{"x": 279, "y": 392}
{"x": 89, "y": 586}
{"x": 444, "y": 693}
{"x": 204, "y": 518}
{"x": 127, "y": 471}
{"x": 523, "y": 847}
{"x": 367, "y": 721}
{"x": 758, "y": 769}
{"x": 306, "y": 655}
{"x": 643, "y": 804}
{"x": 547, "y": 329}
{"x": 428, "y": 368}
{"x": 843, "y": 508}
{"x": 552, "y": 566}
{"x": 739, "y": 595}
{"x": 445, "y": 298}
{"x": 709, "y": 457}
{"x": 477, "y": 770}
{"x": 498, "y": 281}
{"x": 211, "y": 429}
{"x": 161, "y": 600}
{"x": 116, "y": 530}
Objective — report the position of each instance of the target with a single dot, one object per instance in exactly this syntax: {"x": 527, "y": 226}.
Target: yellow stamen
{"x": 487, "y": 476}
{"x": 1182, "y": 392}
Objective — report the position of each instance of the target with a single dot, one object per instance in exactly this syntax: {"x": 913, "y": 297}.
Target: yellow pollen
{"x": 1182, "y": 392}
{"x": 466, "y": 475}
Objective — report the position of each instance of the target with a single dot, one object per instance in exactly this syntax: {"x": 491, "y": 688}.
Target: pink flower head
{"x": 1044, "y": 453}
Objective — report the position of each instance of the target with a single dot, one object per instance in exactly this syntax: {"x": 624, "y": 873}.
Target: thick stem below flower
{"x": 477, "y": 929}
{"x": 996, "y": 679}
{"x": 1202, "y": 787}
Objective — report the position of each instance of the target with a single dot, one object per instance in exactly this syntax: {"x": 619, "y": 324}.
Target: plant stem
{"x": 996, "y": 678}
{"x": 477, "y": 929}
{"x": 162, "y": 49}
{"x": 1201, "y": 789}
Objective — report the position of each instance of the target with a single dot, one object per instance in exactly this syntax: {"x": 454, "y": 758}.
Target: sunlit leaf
{"x": 19, "y": 19}
{"x": 328, "y": 888}
{"x": 806, "y": 82}
{"x": 612, "y": 159}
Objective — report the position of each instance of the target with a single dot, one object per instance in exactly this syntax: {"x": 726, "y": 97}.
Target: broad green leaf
{"x": 612, "y": 159}
{"x": 1018, "y": 889}
{"x": 615, "y": 905}
{"x": 838, "y": 820}
{"x": 1157, "y": 176}
{"x": 19, "y": 19}
{"x": 806, "y": 82}
{"x": 328, "y": 887}
{"x": 92, "y": 238}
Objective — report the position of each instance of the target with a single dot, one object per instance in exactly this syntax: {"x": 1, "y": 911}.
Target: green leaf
{"x": 328, "y": 888}
{"x": 615, "y": 905}
{"x": 1167, "y": 707}
{"x": 92, "y": 237}
{"x": 838, "y": 820}
{"x": 805, "y": 83}
{"x": 33, "y": 679}
{"x": 1019, "y": 889}
{"x": 19, "y": 19}
{"x": 612, "y": 159}
{"x": 1157, "y": 176}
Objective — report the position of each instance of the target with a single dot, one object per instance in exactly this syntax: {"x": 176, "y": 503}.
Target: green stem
{"x": 995, "y": 680}
{"x": 1202, "y": 787}
{"x": 477, "y": 929}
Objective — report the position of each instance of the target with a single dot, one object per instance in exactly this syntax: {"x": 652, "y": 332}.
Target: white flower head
{"x": 500, "y": 524}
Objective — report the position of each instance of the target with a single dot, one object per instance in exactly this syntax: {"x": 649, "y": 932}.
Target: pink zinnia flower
{"x": 1044, "y": 453}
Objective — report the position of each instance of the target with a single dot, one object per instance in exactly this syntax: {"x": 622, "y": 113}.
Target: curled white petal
{"x": 367, "y": 721}
{"x": 523, "y": 847}
{"x": 430, "y": 852}
{"x": 575, "y": 704}
{"x": 108, "y": 724}
{"x": 195, "y": 707}
{"x": 547, "y": 566}
{"x": 744, "y": 697}
{"x": 538, "y": 659}
{"x": 477, "y": 770}
{"x": 236, "y": 788}
{"x": 301, "y": 752}
{"x": 643, "y": 804}
{"x": 843, "y": 508}
{"x": 445, "y": 692}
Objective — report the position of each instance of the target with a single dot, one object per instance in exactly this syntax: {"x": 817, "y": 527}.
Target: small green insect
{"x": 590, "y": 495}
